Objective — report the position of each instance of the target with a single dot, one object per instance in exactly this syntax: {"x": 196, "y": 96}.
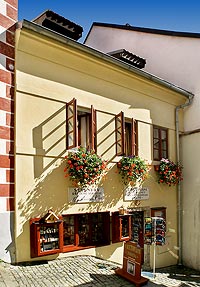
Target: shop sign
{"x": 136, "y": 193}
{"x": 132, "y": 252}
{"x": 85, "y": 195}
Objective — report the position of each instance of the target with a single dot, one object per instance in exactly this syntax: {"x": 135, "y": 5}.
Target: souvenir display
{"x": 155, "y": 228}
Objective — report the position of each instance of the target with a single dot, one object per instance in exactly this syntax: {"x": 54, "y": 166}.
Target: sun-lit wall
{"x": 50, "y": 74}
{"x": 174, "y": 58}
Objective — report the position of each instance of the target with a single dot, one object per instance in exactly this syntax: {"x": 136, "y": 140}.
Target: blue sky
{"x": 175, "y": 15}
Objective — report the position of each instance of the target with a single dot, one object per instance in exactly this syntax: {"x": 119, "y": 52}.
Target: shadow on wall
{"x": 50, "y": 187}
{"x": 50, "y": 192}
{"x": 49, "y": 140}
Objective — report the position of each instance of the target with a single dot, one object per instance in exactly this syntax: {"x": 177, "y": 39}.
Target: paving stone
{"x": 87, "y": 271}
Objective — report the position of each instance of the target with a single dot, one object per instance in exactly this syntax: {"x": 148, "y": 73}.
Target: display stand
{"x": 46, "y": 235}
{"x": 155, "y": 228}
{"x": 132, "y": 263}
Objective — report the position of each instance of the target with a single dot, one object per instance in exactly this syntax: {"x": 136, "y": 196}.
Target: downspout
{"x": 179, "y": 196}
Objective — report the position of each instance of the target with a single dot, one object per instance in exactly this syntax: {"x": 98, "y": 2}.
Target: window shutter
{"x": 93, "y": 133}
{"x": 106, "y": 219}
{"x": 134, "y": 131}
{"x": 71, "y": 124}
{"x": 120, "y": 133}
{"x": 115, "y": 227}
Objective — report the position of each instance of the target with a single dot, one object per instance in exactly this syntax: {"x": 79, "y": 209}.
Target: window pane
{"x": 97, "y": 228}
{"x": 155, "y": 133}
{"x": 163, "y": 134}
{"x": 156, "y": 144}
{"x": 68, "y": 230}
{"x": 164, "y": 145}
{"x": 125, "y": 226}
{"x": 128, "y": 139}
{"x": 156, "y": 154}
{"x": 160, "y": 144}
{"x": 164, "y": 153}
{"x": 49, "y": 238}
{"x": 84, "y": 130}
{"x": 83, "y": 229}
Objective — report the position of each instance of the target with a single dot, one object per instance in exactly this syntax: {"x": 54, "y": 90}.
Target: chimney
{"x": 59, "y": 24}
{"x": 129, "y": 58}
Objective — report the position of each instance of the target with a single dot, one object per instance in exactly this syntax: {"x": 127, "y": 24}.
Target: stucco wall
{"x": 191, "y": 201}
{"x": 177, "y": 60}
{"x": 169, "y": 57}
{"x": 50, "y": 74}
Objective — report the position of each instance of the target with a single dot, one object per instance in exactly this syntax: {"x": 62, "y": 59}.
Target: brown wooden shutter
{"x": 115, "y": 227}
{"x": 106, "y": 224}
{"x": 93, "y": 131}
{"x": 134, "y": 130}
{"x": 120, "y": 133}
{"x": 71, "y": 124}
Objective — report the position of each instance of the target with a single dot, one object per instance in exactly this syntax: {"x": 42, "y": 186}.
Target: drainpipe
{"x": 179, "y": 203}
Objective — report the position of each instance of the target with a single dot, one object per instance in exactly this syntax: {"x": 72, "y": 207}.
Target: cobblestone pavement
{"x": 87, "y": 271}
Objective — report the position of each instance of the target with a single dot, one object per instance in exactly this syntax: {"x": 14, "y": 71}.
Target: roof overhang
{"x": 108, "y": 58}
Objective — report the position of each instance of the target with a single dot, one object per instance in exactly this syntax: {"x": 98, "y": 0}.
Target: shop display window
{"x": 68, "y": 230}
{"x": 86, "y": 230}
{"x": 127, "y": 227}
{"x": 121, "y": 227}
{"x": 50, "y": 235}
{"x": 45, "y": 234}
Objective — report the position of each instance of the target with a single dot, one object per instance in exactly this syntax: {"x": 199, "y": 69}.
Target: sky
{"x": 174, "y": 15}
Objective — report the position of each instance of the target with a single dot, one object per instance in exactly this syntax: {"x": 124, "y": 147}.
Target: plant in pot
{"x": 169, "y": 172}
{"x": 85, "y": 167}
{"x": 132, "y": 169}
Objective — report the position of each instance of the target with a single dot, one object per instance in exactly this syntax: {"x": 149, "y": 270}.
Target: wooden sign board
{"x": 132, "y": 262}
{"x": 132, "y": 252}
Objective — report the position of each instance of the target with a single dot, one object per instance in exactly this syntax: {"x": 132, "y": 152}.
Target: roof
{"x": 98, "y": 54}
{"x": 49, "y": 217}
{"x": 57, "y": 23}
{"x": 128, "y": 27}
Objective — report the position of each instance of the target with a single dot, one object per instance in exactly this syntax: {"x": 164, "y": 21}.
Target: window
{"x": 80, "y": 126}
{"x": 128, "y": 227}
{"x": 160, "y": 143}
{"x": 121, "y": 227}
{"x": 84, "y": 230}
{"x": 125, "y": 135}
{"x": 130, "y": 138}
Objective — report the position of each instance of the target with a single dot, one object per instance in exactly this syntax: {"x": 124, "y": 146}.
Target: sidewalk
{"x": 87, "y": 271}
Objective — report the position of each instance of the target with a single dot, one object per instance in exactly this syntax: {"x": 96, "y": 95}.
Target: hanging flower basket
{"x": 169, "y": 172}
{"x": 132, "y": 169}
{"x": 85, "y": 167}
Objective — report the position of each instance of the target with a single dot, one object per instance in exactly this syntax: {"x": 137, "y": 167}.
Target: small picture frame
{"x": 131, "y": 267}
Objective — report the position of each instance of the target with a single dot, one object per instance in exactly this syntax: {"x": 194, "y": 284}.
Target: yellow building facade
{"x": 51, "y": 71}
